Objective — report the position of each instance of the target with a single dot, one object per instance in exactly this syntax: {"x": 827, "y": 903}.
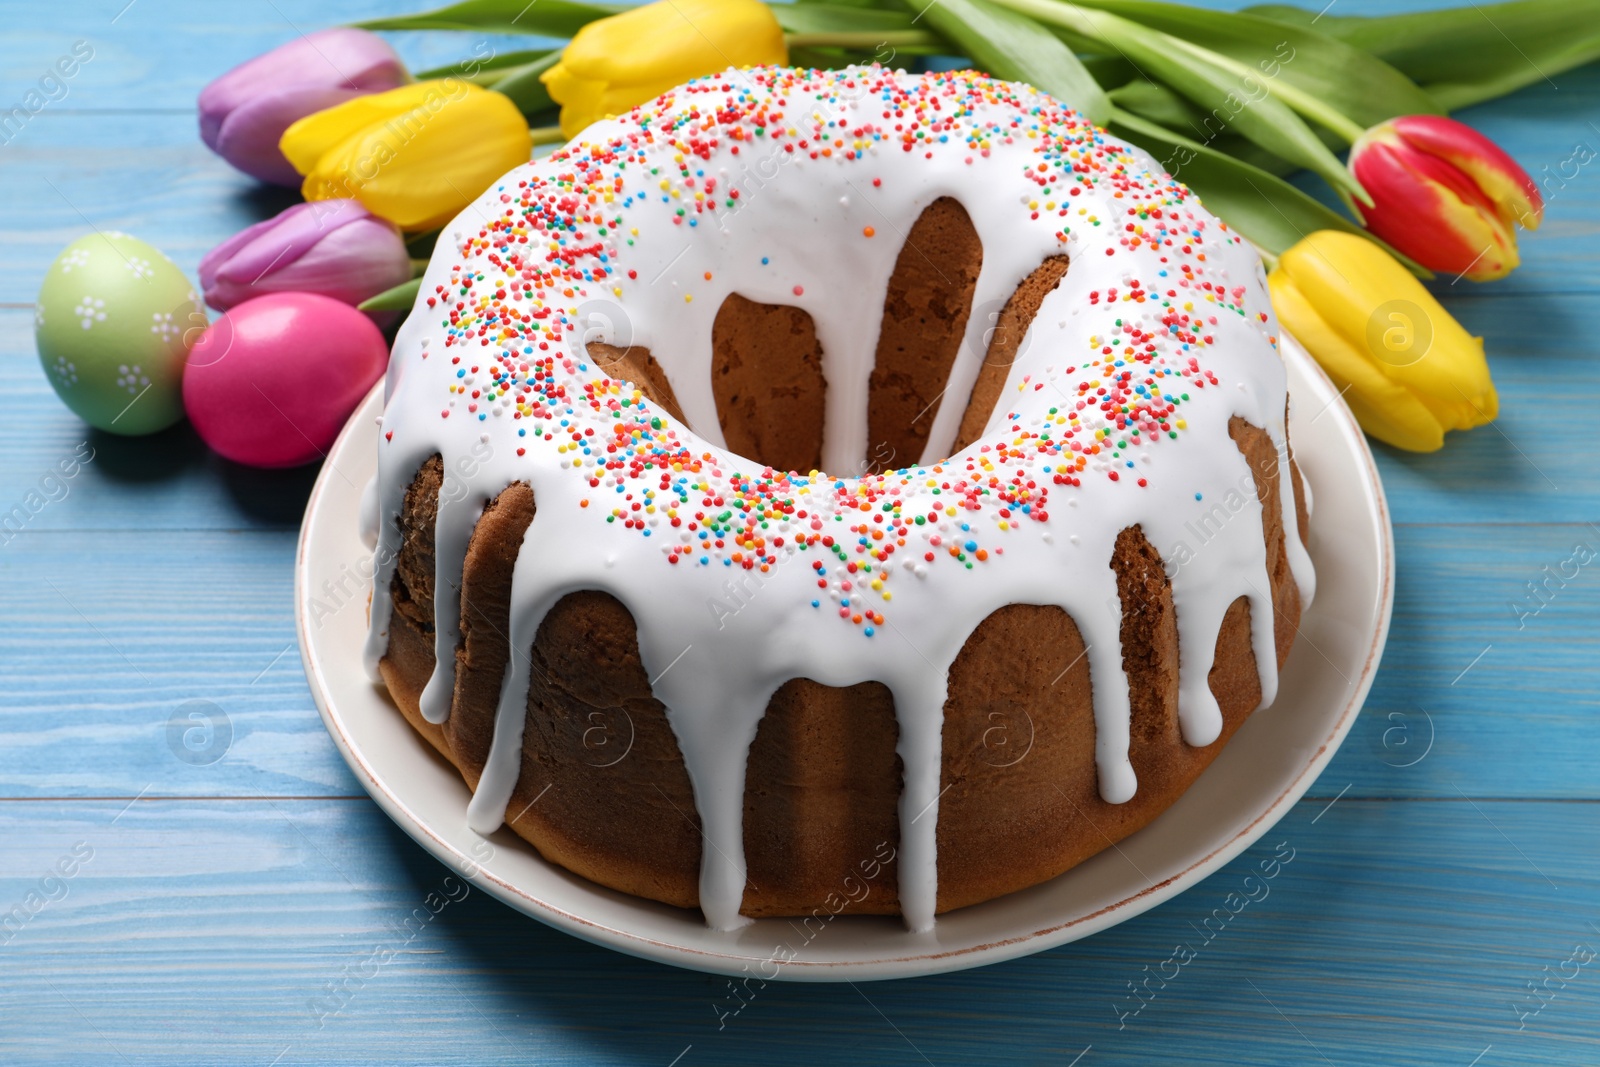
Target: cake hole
{"x": 924, "y": 319}
{"x": 766, "y": 376}
{"x": 635, "y": 364}
{"x": 1005, "y": 342}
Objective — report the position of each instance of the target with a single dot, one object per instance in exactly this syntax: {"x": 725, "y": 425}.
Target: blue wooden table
{"x": 1442, "y": 906}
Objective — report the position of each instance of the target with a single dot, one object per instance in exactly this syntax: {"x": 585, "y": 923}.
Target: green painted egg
{"x": 113, "y": 323}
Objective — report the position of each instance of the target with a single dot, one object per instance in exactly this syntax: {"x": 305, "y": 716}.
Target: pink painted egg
{"x": 271, "y": 382}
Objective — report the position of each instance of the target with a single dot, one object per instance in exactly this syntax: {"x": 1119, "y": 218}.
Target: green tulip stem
{"x": 1302, "y": 101}
{"x": 1083, "y": 22}
{"x": 862, "y": 39}
{"x": 546, "y": 135}
{"x": 418, "y": 266}
{"x": 400, "y": 298}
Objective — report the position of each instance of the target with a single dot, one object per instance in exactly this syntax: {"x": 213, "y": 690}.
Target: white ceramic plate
{"x": 1266, "y": 767}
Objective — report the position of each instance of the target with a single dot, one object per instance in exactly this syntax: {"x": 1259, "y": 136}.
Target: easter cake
{"x": 835, "y": 491}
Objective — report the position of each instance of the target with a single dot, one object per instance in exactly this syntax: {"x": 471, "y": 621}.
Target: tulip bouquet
{"x": 1232, "y": 104}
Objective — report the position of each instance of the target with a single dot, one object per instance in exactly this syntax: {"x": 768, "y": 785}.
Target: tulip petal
{"x": 338, "y": 58}
{"x": 416, "y": 155}
{"x": 245, "y": 111}
{"x": 1384, "y": 408}
{"x": 248, "y": 138}
{"x": 1433, "y": 213}
{"x": 333, "y": 247}
{"x": 213, "y": 261}
{"x": 1373, "y": 327}
{"x": 616, "y": 63}
{"x": 350, "y": 264}
{"x": 280, "y": 241}
{"x": 581, "y": 99}
{"x": 1513, "y": 192}
{"x": 1353, "y": 282}
{"x": 687, "y": 38}
{"x": 308, "y": 140}
{"x": 1409, "y": 432}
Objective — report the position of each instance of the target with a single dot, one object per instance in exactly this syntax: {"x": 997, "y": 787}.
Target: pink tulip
{"x": 1445, "y": 195}
{"x": 244, "y": 112}
{"x": 333, "y": 247}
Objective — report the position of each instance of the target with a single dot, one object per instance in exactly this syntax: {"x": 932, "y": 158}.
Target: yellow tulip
{"x": 617, "y": 62}
{"x": 1407, "y": 369}
{"x": 415, "y": 155}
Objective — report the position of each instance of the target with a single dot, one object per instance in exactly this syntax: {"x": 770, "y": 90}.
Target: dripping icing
{"x": 785, "y": 241}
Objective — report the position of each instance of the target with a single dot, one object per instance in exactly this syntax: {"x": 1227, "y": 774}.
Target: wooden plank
{"x": 117, "y": 641}
{"x": 114, "y": 632}
{"x": 1391, "y": 934}
{"x": 159, "y": 56}
{"x": 1487, "y": 686}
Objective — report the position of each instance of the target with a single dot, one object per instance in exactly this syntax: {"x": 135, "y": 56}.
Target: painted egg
{"x": 112, "y": 323}
{"x": 273, "y": 381}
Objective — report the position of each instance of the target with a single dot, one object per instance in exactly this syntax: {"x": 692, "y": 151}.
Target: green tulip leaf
{"x": 523, "y": 87}
{"x": 829, "y": 18}
{"x": 486, "y": 71}
{"x": 544, "y": 18}
{"x": 882, "y": 5}
{"x": 1109, "y": 70}
{"x": 400, "y": 298}
{"x": 1161, "y": 105}
{"x": 1348, "y": 79}
{"x": 1166, "y": 108}
{"x": 1466, "y": 55}
{"x": 1265, "y": 209}
{"x": 879, "y": 35}
{"x": 1235, "y": 147}
{"x": 1209, "y": 79}
{"x": 1014, "y": 47}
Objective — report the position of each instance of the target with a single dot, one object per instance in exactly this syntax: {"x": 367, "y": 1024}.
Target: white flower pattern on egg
{"x": 78, "y": 257}
{"x": 66, "y": 371}
{"x": 132, "y": 378}
{"x": 140, "y": 267}
{"x": 163, "y": 326}
{"x": 90, "y": 310}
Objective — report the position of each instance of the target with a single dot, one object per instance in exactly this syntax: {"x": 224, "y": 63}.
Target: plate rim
{"x": 936, "y": 960}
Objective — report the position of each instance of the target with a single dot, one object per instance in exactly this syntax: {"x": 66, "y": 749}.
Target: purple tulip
{"x": 334, "y": 247}
{"x": 244, "y": 112}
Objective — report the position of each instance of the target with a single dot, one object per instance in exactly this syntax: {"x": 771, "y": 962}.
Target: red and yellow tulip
{"x": 1445, "y": 195}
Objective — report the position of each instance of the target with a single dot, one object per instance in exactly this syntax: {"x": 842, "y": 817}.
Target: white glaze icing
{"x": 1036, "y": 181}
